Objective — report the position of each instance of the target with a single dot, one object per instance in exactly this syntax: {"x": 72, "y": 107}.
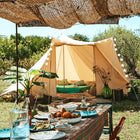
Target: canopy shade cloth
{"x": 63, "y": 14}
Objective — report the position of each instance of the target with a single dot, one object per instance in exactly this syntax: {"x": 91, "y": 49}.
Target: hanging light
{"x": 124, "y": 70}
{"x": 121, "y": 59}
{"x": 114, "y": 45}
{"x": 116, "y": 49}
{"x": 50, "y": 49}
{"x": 99, "y": 41}
{"x": 51, "y": 44}
{"x": 49, "y": 54}
{"x": 126, "y": 76}
{"x": 50, "y": 37}
{"x": 105, "y": 40}
{"x": 47, "y": 58}
{"x": 122, "y": 65}
{"x": 46, "y": 63}
{"x": 111, "y": 38}
{"x": 114, "y": 39}
{"x": 119, "y": 54}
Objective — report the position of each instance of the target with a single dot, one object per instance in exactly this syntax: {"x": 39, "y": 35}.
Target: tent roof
{"x": 65, "y": 40}
{"x": 63, "y": 14}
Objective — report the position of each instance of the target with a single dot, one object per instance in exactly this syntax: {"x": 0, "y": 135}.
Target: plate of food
{"x": 65, "y": 116}
{"x": 47, "y": 135}
{"x": 41, "y": 127}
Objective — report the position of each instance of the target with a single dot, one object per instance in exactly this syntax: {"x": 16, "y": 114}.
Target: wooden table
{"x": 89, "y": 128}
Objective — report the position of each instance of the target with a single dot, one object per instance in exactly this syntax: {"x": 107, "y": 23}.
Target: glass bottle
{"x": 19, "y": 123}
{"x": 83, "y": 106}
{"x": 28, "y": 107}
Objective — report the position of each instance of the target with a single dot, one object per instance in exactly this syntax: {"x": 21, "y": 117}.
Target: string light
{"x": 50, "y": 37}
{"x": 99, "y": 41}
{"x": 122, "y": 65}
{"x": 121, "y": 59}
{"x": 105, "y": 40}
{"x": 49, "y": 54}
{"x": 126, "y": 76}
{"x": 119, "y": 55}
{"x": 116, "y": 49}
{"x": 50, "y": 49}
{"x": 51, "y": 44}
{"x": 47, "y": 59}
{"x": 46, "y": 64}
{"x": 124, "y": 70}
{"x": 114, "y": 39}
{"x": 114, "y": 45}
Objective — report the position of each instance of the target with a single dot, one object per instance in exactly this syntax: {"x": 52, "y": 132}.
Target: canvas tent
{"x": 74, "y": 60}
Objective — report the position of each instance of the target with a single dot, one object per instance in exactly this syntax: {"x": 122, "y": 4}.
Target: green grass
{"x": 3, "y": 85}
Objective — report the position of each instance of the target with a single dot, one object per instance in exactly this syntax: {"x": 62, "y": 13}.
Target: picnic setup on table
{"x": 73, "y": 102}
{"x": 68, "y": 93}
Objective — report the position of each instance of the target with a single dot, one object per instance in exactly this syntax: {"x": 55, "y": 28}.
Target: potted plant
{"x": 27, "y": 79}
{"x": 133, "y": 89}
{"x": 105, "y": 77}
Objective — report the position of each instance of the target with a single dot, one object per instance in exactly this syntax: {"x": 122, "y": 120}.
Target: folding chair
{"x": 117, "y": 130}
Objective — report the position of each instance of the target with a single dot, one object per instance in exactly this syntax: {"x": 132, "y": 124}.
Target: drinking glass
{"x": 19, "y": 124}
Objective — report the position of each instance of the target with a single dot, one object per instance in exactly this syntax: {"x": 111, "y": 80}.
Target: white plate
{"x": 47, "y": 135}
{"x": 42, "y": 116}
{"x": 69, "y": 120}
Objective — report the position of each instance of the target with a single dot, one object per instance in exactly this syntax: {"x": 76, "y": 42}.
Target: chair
{"x": 117, "y": 130}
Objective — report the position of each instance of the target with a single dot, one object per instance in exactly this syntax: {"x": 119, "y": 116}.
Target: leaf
{"x": 34, "y": 72}
{"x": 12, "y": 79}
{"x": 48, "y": 75}
{"x": 13, "y": 73}
{"x": 39, "y": 83}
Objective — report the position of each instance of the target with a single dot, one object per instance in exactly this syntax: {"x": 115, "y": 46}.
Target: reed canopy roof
{"x": 63, "y": 14}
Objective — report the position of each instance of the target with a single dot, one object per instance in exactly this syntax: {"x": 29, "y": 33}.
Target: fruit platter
{"x": 69, "y": 117}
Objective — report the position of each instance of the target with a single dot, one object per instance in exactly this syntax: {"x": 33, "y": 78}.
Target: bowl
{"x": 63, "y": 127}
{"x": 68, "y": 107}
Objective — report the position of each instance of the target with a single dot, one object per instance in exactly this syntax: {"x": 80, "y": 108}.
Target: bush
{"x": 5, "y": 65}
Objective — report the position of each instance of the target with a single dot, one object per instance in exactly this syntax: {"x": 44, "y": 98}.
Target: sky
{"x": 7, "y": 28}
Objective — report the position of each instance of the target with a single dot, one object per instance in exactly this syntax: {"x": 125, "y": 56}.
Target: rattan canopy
{"x": 63, "y": 14}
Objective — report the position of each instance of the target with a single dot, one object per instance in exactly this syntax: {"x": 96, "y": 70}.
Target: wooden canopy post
{"x": 17, "y": 58}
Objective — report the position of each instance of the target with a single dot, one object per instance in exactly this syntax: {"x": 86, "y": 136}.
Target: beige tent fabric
{"x": 75, "y": 61}
{"x": 50, "y": 66}
{"x": 105, "y": 57}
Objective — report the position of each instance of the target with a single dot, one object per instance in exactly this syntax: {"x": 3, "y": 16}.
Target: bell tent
{"x": 74, "y": 60}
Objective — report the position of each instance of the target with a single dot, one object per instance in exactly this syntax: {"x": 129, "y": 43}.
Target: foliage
{"x": 80, "y": 37}
{"x": 26, "y": 78}
{"x": 30, "y": 49}
{"x": 105, "y": 76}
{"x": 134, "y": 86}
{"x": 127, "y": 44}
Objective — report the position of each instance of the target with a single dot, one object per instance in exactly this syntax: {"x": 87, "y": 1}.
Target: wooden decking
{"x": 74, "y": 95}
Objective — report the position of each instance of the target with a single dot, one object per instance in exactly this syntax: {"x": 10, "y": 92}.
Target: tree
{"x": 80, "y": 37}
{"x": 127, "y": 44}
